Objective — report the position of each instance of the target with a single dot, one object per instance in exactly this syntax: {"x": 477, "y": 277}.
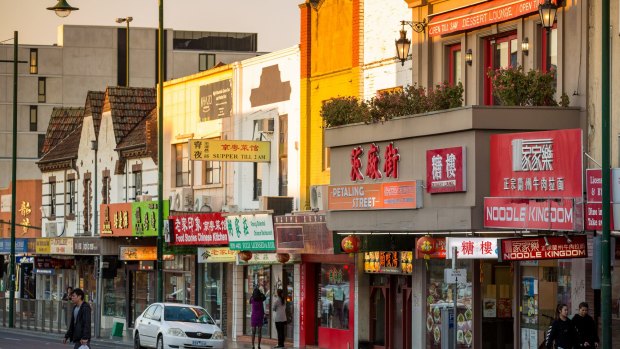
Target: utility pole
{"x": 160, "y": 157}
{"x": 605, "y": 140}
{"x": 15, "y": 61}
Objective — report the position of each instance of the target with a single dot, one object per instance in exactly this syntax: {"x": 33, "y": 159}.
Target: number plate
{"x": 201, "y": 343}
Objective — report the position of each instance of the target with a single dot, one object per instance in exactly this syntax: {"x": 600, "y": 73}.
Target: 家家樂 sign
{"x": 550, "y": 247}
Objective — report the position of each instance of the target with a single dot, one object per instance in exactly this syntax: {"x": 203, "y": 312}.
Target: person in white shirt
{"x": 279, "y": 309}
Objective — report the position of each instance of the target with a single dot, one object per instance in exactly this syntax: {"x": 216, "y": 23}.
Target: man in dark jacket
{"x": 79, "y": 328}
{"x": 588, "y": 335}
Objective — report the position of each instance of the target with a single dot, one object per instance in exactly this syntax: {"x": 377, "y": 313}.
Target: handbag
{"x": 265, "y": 320}
{"x": 84, "y": 346}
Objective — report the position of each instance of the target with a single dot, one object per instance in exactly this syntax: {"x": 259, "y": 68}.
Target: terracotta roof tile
{"x": 94, "y": 106}
{"x": 62, "y": 122}
{"x": 65, "y": 149}
{"x": 128, "y": 105}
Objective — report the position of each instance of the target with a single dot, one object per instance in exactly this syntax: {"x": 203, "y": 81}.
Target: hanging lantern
{"x": 425, "y": 246}
{"x": 283, "y": 257}
{"x": 245, "y": 255}
{"x": 350, "y": 244}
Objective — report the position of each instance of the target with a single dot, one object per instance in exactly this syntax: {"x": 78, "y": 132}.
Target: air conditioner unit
{"x": 144, "y": 198}
{"x": 202, "y": 204}
{"x": 182, "y": 199}
{"x": 318, "y": 197}
{"x": 230, "y": 208}
{"x": 280, "y": 205}
{"x": 51, "y": 229}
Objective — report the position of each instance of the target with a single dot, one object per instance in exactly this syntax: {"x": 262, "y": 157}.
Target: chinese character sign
{"x": 446, "y": 170}
{"x": 472, "y": 248}
{"x": 199, "y": 229}
{"x": 116, "y": 219}
{"x": 229, "y": 150}
{"x": 553, "y": 247}
{"x": 537, "y": 164}
{"x": 144, "y": 216}
{"x": 374, "y": 162}
{"x": 252, "y": 232}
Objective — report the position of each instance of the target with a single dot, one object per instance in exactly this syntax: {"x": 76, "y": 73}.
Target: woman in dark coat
{"x": 562, "y": 333}
{"x": 258, "y": 315}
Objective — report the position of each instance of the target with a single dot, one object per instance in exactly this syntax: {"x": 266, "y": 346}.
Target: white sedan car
{"x": 176, "y": 326}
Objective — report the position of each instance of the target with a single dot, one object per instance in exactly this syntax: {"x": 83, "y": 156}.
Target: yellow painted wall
{"x": 332, "y": 74}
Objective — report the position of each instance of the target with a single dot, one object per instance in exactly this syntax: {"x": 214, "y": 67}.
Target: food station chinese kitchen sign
{"x": 536, "y": 181}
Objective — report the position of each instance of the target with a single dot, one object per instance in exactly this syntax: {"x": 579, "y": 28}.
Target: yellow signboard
{"x": 226, "y": 150}
{"x": 43, "y": 246}
{"x": 138, "y": 253}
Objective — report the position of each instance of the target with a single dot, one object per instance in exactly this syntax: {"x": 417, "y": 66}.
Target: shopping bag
{"x": 84, "y": 346}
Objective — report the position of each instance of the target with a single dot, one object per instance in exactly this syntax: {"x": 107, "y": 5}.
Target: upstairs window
{"x": 42, "y": 89}
{"x": 34, "y": 61}
{"x": 52, "y": 187}
{"x": 71, "y": 193}
{"x": 454, "y": 64}
{"x": 137, "y": 183}
{"x": 182, "y": 164}
{"x": 206, "y": 61}
{"x": 213, "y": 170}
{"x": 34, "y": 118}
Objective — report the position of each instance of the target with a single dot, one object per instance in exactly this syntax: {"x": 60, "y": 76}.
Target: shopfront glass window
{"x": 214, "y": 290}
{"x": 440, "y": 298}
{"x": 257, "y": 276}
{"x": 544, "y": 285}
{"x": 114, "y": 293}
{"x": 334, "y": 296}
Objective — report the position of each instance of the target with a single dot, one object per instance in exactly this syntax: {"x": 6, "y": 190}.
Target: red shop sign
{"x": 537, "y": 248}
{"x": 543, "y": 164}
{"x": 559, "y": 214}
{"x": 199, "y": 229}
{"x": 594, "y": 216}
{"x": 481, "y": 15}
{"x": 445, "y": 170}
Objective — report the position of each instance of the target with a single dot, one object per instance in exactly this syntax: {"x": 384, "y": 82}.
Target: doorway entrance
{"x": 500, "y": 52}
{"x": 390, "y": 311}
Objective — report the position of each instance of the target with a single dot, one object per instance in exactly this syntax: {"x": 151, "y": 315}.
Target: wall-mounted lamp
{"x": 525, "y": 46}
{"x": 469, "y": 56}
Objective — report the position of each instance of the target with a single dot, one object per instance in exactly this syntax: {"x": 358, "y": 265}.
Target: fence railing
{"x": 40, "y": 315}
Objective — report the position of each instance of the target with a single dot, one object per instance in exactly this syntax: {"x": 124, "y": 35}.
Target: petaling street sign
{"x": 252, "y": 232}
{"x": 371, "y": 166}
{"x": 545, "y": 164}
{"x": 116, "y": 219}
{"x": 199, "y": 229}
{"x": 533, "y": 214}
{"x": 537, "y": 248}
{"x": 472, "y": 248}
{"x": 227, "y": 150}
{"x": 145, "y": 217}
{"x": 481, "y": 15}
{"x": 375, "y": 196}
{"x": 216, "y": 255}
{"x": 446, "y": 170}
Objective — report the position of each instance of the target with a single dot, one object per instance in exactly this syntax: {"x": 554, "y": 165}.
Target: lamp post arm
{"x": 417, "y": 27}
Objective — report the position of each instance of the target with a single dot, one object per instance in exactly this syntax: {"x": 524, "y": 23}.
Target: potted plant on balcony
{"x": 513, "y": 86}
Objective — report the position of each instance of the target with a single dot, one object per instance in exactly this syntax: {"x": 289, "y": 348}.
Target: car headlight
{"x": 217, "y": 335}
{"x": 177, "y": 332}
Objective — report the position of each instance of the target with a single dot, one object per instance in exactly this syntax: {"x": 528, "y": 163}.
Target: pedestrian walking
{"x": 79, "y": 328}
{"x": 258, "y": 315}
{"x": 67, "y": 305}
{"x": 279, "y": 308}
{"x": 562, "y": 334}
{"x": 67, "y": 295}
{"x": 586, "y": 327}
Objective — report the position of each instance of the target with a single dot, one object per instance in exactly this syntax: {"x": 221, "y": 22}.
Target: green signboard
{"x": 251, "y": 232}
{"x": 144, "y": 217}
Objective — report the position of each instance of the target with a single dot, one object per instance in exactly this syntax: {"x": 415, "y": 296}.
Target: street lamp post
{"x": 160, "y": 157}
{"x": 126, "y": 20}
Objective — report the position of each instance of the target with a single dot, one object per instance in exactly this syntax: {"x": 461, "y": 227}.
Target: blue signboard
{"x": 21, "y": 246}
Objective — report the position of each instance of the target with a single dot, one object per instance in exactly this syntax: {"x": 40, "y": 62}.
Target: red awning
{"x": 481, "y": 15}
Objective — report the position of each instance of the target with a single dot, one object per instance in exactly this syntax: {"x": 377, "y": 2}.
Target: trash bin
{"x": 117, "y": 329}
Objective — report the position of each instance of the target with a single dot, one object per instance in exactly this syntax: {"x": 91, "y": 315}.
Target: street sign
{"x": 453, "y": 276}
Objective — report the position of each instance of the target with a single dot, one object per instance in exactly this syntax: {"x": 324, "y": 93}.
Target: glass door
{"x": 289, "y": 293}
{"x": 379, "y": 290}
{"x": 496, "y": 306}
{"x": 213, "y": 291}
{"x": 501, "y": 52}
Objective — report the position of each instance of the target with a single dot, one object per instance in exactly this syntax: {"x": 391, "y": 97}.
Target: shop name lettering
{"x": 483, "y": 18}
{"x": 533, "y": 250}
{"x": 86, "y": 246}
{"x": 484, "y": 247}
{"x": 184, "y": 224}
{"x": 437, "y": 171}
{"x": 390, "y": 167}
{"x": 530, "y": 214}
{"x": 214, "y": 237}
{"x": 533, "y": 156}
{"x": 359, "y": 201}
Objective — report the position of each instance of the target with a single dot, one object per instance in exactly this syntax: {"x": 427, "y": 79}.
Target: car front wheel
{"x": 136, "y": 341}
{"x": 160, "y": 342}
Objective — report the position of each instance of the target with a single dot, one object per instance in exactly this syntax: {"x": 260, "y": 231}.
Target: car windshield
{"x": 187, "y": 314}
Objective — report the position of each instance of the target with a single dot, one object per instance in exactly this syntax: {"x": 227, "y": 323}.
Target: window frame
{"x": 137, "y": 183}
{"x": 184, "y": 176}
{"x": 34, "y": 66}
{"x": 71, "y": 193}
{"x": 210, "y": 167}
{"x": 452, "y": 49}
{"x": 544, "y": 42}
{"x": 206, "y": 57}
{"x": 42, "y": 89}
{"x": 257, "y": 181}
{"x": 34, "y": 125}
{"x": 489, "y": 61}
{"x": 52, "y": 188}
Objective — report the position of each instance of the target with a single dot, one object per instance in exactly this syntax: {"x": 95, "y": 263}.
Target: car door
{"x": 155, "y": 323}
{"x": 144, "y": 326}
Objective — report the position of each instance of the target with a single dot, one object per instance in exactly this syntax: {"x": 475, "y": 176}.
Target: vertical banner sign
{"x": 216, "y": 100}
{"x": 250, "y": 232}
{"x": 446, "y": 170}
{"x": 545, "y": 164}
{"x": 199, "y": 229}
{"x": 145, "y": 217}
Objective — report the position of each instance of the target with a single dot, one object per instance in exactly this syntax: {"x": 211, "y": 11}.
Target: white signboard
{"x": 268, "y": 258}
{"x": 251, "y": 232}
{"x": 5, "y": 203}
{"x": 452, "y": 276}
{"x": 472, "y": 248}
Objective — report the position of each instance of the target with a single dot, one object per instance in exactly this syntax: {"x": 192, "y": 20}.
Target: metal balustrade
{"x": 41, "y": 315}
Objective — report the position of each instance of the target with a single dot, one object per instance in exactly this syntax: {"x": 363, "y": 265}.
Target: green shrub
{"x": 512, "y": 86}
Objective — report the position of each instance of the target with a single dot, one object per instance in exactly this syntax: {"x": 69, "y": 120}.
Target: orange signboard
{"x": 115, "y": 219}
{"x": 375, "y": 196}
{"x": 138, "y": 253}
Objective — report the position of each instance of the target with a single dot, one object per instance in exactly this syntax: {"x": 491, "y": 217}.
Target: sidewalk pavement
{"x": 127, "y": 340}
